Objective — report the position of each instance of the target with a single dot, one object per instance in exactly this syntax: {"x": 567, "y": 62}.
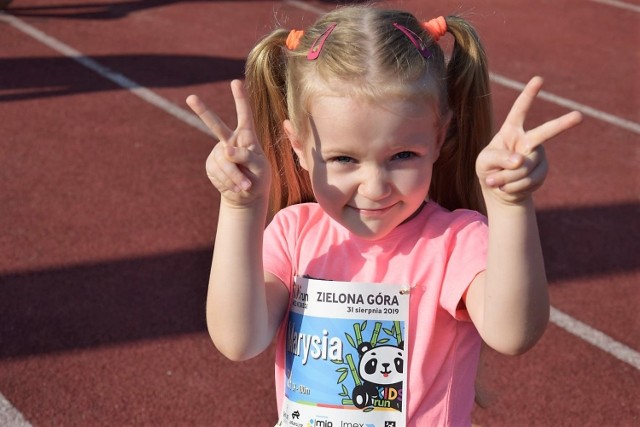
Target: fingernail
{"x": 490, "y": 181}
{"x": 514, "y": 159}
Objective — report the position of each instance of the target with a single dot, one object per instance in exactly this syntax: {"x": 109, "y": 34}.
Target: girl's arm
{"x": 244, "y": 306}
{"x": 509, "y": 302}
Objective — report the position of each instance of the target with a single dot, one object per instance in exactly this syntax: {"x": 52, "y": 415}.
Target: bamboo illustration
{"x": 398, "y": 331}
{"x": 358, "y": 332}
{"x": 353, "y": 369}
{"x": 376, "y": 333}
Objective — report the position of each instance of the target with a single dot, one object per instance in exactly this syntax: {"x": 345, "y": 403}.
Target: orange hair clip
{"x": 293, "y": 39}
{"x": 437, "y": 27}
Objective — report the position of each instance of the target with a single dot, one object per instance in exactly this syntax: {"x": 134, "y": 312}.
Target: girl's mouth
{"x": 374, "y": 212}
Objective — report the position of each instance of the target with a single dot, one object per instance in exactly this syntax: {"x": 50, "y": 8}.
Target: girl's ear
{"x": 296, "y": 143}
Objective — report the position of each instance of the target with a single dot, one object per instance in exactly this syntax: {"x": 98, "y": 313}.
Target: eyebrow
{"x": 332, "y": 152}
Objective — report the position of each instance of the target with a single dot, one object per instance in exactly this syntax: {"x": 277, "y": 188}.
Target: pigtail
{"x": 455, "y": 183}
{"x": 266, "y": 84}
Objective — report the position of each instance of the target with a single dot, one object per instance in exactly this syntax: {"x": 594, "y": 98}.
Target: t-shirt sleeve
{"x": 276, "y": 252}
{"x": 467, "y": 257}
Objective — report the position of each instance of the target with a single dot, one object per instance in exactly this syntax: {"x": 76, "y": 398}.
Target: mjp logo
{"x": 321, "y": 423}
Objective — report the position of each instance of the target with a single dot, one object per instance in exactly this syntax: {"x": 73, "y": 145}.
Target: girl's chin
{"x": 369, "y": 230}
{"x": 376, "y": 224}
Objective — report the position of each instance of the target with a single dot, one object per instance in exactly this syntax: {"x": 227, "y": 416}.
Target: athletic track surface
{"x": 107, "y": 218}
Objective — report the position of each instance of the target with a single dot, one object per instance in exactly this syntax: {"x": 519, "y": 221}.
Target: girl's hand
{"x": 513, "y": 165}
{"x": 236, "y": 166}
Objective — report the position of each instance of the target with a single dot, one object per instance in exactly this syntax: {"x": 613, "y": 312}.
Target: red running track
{"x": 108, "y": 218}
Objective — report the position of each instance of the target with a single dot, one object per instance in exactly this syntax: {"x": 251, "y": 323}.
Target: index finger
{"x": 552, "y": 128}
{"x": 219, "y": 129}
{"x": 521, "y": 106}
{"x": 243, "y": 107}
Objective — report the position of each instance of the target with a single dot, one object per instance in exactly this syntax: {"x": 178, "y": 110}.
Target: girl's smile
{"x": 373, "y": 212}
{"x": 370, "y": 165}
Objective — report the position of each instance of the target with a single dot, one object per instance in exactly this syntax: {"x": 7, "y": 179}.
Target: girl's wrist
{"x": 507, "y": 205}
{"x": 259, "y": 205}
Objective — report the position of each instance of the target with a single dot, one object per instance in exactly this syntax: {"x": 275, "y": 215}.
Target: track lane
{"x": 555, "y": 197}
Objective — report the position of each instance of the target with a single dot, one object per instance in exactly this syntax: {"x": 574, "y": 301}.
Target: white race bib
{"x": 346, "y": 363}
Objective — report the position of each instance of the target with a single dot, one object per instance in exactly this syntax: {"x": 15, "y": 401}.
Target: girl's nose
{"x": 375, "y": 184}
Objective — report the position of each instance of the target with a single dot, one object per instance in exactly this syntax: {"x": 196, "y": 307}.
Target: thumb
{"x": 238, "y": 155}
{"x": 251, "y": 160}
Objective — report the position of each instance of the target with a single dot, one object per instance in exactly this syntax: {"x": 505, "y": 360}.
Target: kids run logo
{"x": 378, "y": 376}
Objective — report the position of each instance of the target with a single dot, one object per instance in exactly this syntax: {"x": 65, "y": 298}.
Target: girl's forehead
{"x": 339, "y": 122}
{"x": 334, "y": 105}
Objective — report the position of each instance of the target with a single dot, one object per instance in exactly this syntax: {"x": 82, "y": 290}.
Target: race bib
{"x": 346, "y": 363}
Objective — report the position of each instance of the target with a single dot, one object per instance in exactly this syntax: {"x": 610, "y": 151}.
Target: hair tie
{"x": 415, "y": 39}
{"x": 293, "y": 39}
{"x": 437, "y": 27}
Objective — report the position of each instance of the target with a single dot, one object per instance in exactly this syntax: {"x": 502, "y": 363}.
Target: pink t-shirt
{"x": 437, "y": 253}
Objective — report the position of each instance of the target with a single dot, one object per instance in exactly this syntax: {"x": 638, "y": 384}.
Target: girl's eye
{"x": 342, "y": 159}
{"x": 404, "y": 155}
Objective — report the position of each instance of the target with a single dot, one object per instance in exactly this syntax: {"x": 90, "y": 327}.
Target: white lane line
{"x": 10, "y": 416}
{"x": 619, "y": 4}
{"x": 117, "y": 78}
{"x": 567, "y": 103}
{"x": 304, "y": 6}
{"x": 596, "y": 338}
{"x": 578, "y": 327}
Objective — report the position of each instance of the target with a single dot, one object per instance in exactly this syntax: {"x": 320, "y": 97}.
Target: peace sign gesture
{"x": 236, "y": 166}
{"x": 513, "y": 165}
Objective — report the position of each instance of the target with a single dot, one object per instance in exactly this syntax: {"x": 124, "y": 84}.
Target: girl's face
{"x": 370, "y": 165}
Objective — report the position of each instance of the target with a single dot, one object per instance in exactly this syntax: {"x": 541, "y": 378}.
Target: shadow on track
{"x": 590, "y": 241}
{"x": 42, "y": 77}
{"x": 108, "y": 10}
{"x": 145, "y": 298}
{"x": 92, "y": 10}
{"x": 92, "y": 305}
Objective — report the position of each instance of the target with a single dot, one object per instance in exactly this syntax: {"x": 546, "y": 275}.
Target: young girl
{"x": 371, "y": 158}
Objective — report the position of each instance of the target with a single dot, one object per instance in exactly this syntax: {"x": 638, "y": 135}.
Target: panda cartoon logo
{"x": 381, "y": 371}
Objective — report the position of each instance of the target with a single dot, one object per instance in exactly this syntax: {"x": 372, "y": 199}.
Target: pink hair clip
{"x": 415, "y": 39}
{"x": 316, "y": 47}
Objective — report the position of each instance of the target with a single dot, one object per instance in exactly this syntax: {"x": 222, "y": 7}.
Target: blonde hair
{"x": 370, "y": 58}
